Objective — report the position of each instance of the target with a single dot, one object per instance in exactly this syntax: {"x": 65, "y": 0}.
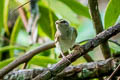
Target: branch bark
{"x": 83, "y": 71}
{"x": 27, "y": 56}
{"x": 93, "y": 4}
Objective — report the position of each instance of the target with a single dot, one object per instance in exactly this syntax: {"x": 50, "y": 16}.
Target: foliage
{"x": 47, "y": 22}
{"x": 5, "y": 15}
{"x": 6, "y": 62}
{"x": 42, "y": 61}
{"x": 112, "y": 13}
{"x": 77, "y": 7}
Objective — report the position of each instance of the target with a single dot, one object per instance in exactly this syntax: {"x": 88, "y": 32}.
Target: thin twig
{"x": 115, "y": 71}
{"x": 23, "y": 17}
{"x": 25, "y": 64}
{"x": 20, "y": 6}
{"x": 115, "y": 42}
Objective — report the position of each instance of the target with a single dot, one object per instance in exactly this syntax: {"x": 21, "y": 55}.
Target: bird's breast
{"x": 64, "y": 44}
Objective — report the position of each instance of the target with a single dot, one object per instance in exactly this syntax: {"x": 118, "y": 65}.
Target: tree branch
{"x": 93, "y": 4}
{"x": 27, "y": 56}
{"x": 62, "y": 64}
{"x": 83, "y": 71}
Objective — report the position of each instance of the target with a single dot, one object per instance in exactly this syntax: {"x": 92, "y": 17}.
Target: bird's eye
{"x": 63, "y": 21}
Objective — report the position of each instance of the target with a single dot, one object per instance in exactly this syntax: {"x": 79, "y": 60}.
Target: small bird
{"x": 65, "y": 36}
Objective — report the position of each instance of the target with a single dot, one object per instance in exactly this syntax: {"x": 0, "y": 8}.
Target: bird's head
{"x": 62, "y": 23}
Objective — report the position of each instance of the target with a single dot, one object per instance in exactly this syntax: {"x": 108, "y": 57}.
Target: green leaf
{"x": 42, "y": 61}
{"x": 46, "y": 21}
{"x": 15, "y": 31}
{"x": 112, "y": 13}
{"x": 77, "y": 7}
{"x": 5, "y": 14}
{"x": 1, "y": 15}
{"x": 115, "y": 48}
{"x": 62, "y": 10}
{"x": 14, "y": 34}
{"x": 6, "y": 62}
{"x": 1, "y": 22}
{"x": 6, "y": 48}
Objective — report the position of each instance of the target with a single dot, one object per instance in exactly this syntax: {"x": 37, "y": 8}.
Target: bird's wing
{"x": 74, "y": 31}
{"x": 56, "y": 37}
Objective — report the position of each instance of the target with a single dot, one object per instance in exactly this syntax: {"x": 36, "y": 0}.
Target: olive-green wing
{"x": 74, "y": 31}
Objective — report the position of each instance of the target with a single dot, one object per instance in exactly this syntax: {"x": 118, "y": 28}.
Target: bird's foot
{"x": 64, "y": 57}
{"x": 74, "y": 46}
{"x": 77, "y": 47}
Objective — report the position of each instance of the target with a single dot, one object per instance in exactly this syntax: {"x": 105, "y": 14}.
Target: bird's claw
{"x": 64, "y": 57}
{"x": 77, "y": 47}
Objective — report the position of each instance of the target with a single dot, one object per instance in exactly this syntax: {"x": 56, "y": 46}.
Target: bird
{"x": 65, "y": 36}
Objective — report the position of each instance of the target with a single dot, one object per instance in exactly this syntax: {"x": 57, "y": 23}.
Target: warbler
{"x": 65, "y": 36}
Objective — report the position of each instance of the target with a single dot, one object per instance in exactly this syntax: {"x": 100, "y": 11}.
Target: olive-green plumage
{"x": 65, "y": 36}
